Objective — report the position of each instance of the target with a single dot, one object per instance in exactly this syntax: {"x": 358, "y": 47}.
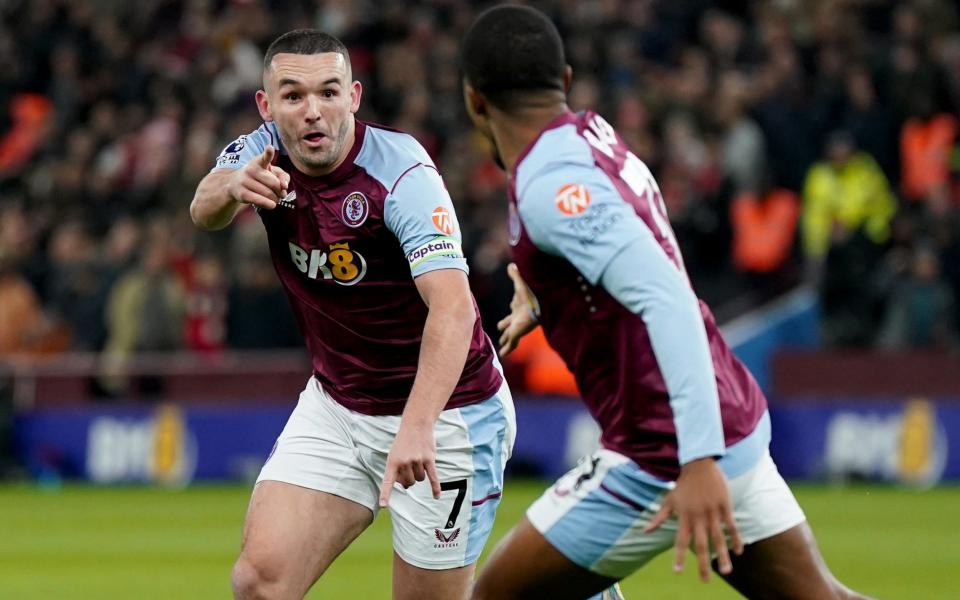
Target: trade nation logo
{"x": 442, "y": 221}
{"x": 572, "y": 199}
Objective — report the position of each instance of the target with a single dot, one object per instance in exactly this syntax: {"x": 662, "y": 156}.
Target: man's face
{"x": 312, "y": 99}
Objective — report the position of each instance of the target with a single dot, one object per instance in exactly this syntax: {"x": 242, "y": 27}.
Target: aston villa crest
{"x": 355, "y": 209}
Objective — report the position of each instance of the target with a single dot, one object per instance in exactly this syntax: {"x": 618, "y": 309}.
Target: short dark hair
{"x": 304, "y": 41}
{"x": 511, "y": 50}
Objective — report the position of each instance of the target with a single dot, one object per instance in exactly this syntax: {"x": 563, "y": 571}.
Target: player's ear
{"x": 475, "y": 102}
{"x": 356, "y": 91}
{"x": 263, "y": 105}
{"x": 567, "y": 78}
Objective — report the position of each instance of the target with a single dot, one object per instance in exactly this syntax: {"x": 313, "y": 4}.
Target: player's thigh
{"x": 292, "y": 534}
{"x": 318, "y": 450}
{"x": 780, "y": 559}
{"x": 415, "y": 583}
{"x": 525, "y": 565}
{"x": 596, "y": 514}
{"x": 313, "y": 495}
{"x": 785, "y": 566}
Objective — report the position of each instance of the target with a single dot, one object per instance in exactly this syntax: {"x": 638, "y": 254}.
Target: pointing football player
{"x": 406, "y": 409}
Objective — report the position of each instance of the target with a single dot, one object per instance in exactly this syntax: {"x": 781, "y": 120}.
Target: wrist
{"x": 698, "y": 464}
{"x": 417, "y": 421}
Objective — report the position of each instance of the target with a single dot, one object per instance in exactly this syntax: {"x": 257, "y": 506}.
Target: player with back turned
{"x": 684, "y": 460}
{"x": 407, "y": 408}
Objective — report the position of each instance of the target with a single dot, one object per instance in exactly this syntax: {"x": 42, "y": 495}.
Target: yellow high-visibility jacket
{"x": 856, "y": 195}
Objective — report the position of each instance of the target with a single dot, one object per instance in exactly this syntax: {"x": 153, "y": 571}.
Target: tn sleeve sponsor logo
{"x": 437, "y": 247}
{"x": 572, "y": 199}
{"x": 442, "y": 220}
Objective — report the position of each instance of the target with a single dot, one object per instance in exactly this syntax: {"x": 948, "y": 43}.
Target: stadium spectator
{"x": 206, "y": 306}
{"x": 844, "y": 194}
{"x": 144, "y": 311}
{"x": 847, "y": 209}
{"x": 926, "y": 146}
{"x": 24, "y": 329}
{"x": 77, "y": 284}
{"x": 764, "y": 227}
{"x": 922, "y": 307}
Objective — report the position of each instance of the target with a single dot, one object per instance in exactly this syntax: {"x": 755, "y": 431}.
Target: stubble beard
{"x": 325, "y": 159}
{"x": 321, "y": 160}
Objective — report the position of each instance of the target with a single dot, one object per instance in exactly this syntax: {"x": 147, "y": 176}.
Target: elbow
{"x": 467, "y": 314}
{"x": 202, "y": 220}
{"x": 195, "y": 215}
{"x": 463, "y": 313}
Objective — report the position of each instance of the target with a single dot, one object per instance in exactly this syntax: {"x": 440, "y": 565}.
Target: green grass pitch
{"x": 143, "y": 543}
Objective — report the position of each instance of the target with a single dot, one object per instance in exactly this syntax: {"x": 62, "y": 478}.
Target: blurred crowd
{"x": 793, "y": 141}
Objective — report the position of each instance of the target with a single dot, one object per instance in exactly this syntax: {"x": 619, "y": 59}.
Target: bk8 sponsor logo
{"x": 340, "y": 264}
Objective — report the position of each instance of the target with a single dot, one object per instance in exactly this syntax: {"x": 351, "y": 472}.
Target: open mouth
{"x": 314, "y": 138}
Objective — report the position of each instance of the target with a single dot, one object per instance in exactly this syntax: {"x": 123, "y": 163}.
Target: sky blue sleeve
{"x": 642, "y": 278}
{"x": 420, "y": 213}
{"x": 588, "y": 234}
{"x": 241, "y": 150}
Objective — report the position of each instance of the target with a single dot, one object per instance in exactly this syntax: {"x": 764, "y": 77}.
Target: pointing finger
{"x": 434, "y": 479}
{"x": 387, "y": 485}
{"x": 267, "y": 157}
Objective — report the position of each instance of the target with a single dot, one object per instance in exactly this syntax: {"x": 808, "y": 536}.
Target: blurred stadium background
{"x": 807, "y": 151}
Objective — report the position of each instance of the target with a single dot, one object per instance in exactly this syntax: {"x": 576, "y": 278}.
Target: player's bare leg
{"x": 525, "y": 565}
{"x": 786, "y": 566}
{"x": 414, "y": 583}
{"x": 291, "y": 536}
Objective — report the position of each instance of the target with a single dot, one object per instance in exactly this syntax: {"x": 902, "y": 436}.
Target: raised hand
{"x": 259, "y": 182}
{"x": 412, "y": 458}
{"x": 523, "y": 314}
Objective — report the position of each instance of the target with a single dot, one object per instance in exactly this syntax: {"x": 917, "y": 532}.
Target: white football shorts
{"x": 595, "y": 514}
{"x": 330, "y": 448}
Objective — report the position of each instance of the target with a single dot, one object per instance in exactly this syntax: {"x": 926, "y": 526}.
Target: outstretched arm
{"x": 644, "y": 280}
{"x": 222, "y": 193}
{"x": 420, "y": 213}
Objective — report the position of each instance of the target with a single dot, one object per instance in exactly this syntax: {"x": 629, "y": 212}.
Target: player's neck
{"x": 516, "y": 130}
